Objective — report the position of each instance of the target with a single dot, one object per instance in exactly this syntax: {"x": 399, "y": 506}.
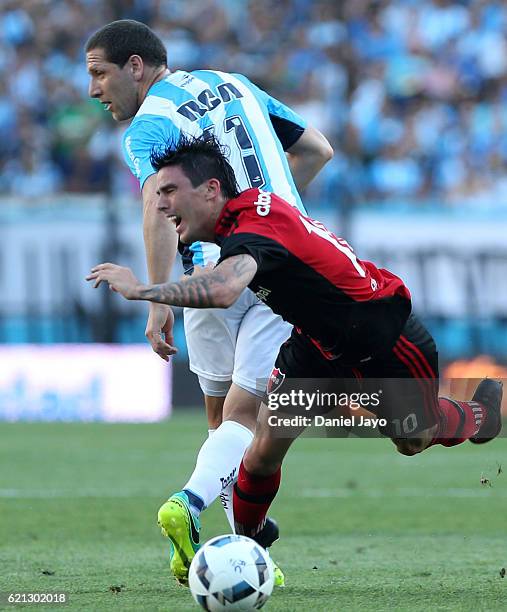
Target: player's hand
{"x": 159, "y": 330}
{"x": 119, "y": 279}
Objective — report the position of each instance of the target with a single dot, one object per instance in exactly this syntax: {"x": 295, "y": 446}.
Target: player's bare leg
{"x": 268, "y": 449}
{"x": 259, "y": 475}
{"x": 241, "y": 406}
{"x": 214, "y": 409}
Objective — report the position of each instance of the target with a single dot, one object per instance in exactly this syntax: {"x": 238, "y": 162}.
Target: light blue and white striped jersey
{"x": 243, "y": 117}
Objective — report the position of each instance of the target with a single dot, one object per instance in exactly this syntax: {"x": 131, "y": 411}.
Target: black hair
{"x": 126, "y": 37}
{"x": 201, "y": 158}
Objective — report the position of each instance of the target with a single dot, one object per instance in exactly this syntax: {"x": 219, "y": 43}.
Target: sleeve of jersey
{"x": 287, "y": 124}
{"x": 141, "y": 138}
{"x": 267, "y": 253}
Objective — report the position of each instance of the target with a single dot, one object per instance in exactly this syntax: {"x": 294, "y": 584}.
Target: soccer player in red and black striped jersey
{"x": 351, "y": 319}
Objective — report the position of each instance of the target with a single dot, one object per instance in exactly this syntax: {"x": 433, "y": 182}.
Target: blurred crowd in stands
{"x": 411, "y": 93}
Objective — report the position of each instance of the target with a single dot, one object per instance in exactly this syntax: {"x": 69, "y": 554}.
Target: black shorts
{"x": 404, "y": 379}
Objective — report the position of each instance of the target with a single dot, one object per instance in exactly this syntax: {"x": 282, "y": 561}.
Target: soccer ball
{"x": 231, "y": 572}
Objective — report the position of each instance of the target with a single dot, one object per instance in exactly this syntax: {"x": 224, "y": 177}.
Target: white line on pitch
{"x": 481, "y": 492}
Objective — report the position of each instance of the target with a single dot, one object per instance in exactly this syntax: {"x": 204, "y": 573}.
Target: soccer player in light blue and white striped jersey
{"x": 230, "y": 350}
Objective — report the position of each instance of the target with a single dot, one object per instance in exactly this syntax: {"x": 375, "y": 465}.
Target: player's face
{"x": 188, "y": 207}
{"x": 115, "y": 87}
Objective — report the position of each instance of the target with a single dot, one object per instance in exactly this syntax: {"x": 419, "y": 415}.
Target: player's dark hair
{"x": 201, "y": 158}
{"x": 126, "y": 37}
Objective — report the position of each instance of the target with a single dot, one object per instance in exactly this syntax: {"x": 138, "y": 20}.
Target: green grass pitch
{"x": 363, "y": 528}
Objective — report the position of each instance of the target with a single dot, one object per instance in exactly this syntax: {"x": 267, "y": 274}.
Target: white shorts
{"x": 237, "y": 344}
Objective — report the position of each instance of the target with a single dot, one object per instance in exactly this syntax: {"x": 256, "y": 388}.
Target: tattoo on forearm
{"x": 204, "y": 290}
{"x": 194, "y": 292}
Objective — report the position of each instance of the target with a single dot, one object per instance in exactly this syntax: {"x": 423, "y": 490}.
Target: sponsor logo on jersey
{"x": 275, "y": 380}
{"x": 207, "y": 100}
{"x": 263, "y": 203}
{"x": 263, "y": 294}
{"x": 134, "y": 159}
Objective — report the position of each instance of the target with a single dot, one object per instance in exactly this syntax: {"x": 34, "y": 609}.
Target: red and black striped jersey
{"x": 312, "y": 278}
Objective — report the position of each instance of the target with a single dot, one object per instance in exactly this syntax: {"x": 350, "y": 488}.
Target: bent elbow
{"x": 327, "y": 152}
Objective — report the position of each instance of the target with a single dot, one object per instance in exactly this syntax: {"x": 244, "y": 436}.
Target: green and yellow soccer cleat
{"x": 177, "y": 523}
{"x": 269, "y": 534}
{"x": 279, "y": 575}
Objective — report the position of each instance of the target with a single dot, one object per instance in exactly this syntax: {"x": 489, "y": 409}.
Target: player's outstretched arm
{"x": 308, "y": 155}
{"x": 217, "y": 288}
{"x": 160, "y": 241}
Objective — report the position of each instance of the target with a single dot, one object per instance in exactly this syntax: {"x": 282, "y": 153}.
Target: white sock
{"x": 218, "y": 463}
{"x": 226, "y": 497}
{"x": 226, "y": 500}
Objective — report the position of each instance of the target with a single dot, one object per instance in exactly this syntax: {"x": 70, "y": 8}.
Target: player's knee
{"x": 409, "y": 447}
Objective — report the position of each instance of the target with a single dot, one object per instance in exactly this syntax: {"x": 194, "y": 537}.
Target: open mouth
{"x": 175, "y": 219}
{"x": 107, "y": 105}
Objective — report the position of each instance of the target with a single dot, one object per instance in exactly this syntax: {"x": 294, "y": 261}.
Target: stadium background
{"x": 411, "y": 94}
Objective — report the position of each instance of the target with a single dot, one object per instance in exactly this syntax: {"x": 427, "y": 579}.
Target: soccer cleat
{"x": 279, "y": 575}
{"x": 489, "y": 393}
{"x": 266, "y": 536}
{"x": 178, "y": 523}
